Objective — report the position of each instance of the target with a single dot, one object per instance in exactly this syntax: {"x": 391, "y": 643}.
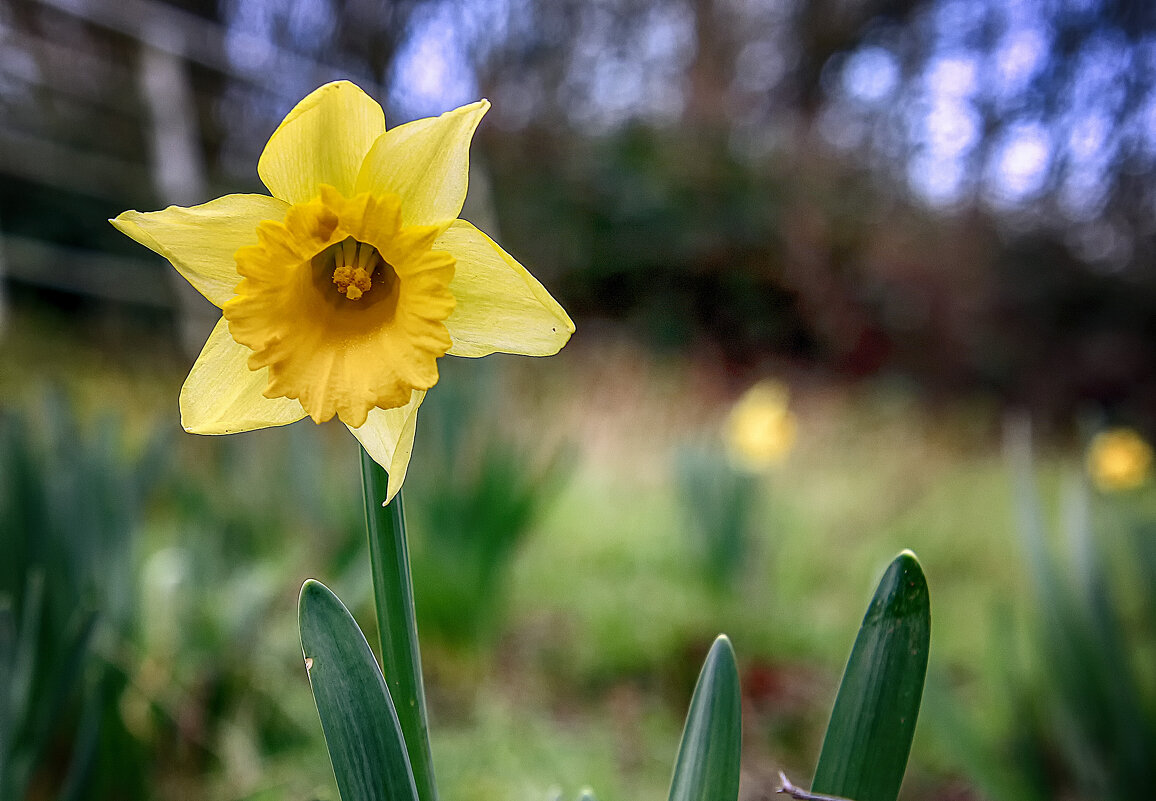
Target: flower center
{"x": 354, "y": 264}
{"x": 368, "y": 345}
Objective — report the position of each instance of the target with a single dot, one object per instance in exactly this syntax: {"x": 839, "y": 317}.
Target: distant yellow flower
{"x": 760, "y": 429}
{"x": 340, "y": 291}
{"x": 1119, "y": 459}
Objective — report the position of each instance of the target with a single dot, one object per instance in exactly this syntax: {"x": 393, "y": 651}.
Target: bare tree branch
{"x": 787, "y": 788}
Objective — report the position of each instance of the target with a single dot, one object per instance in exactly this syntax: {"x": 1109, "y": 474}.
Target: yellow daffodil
{"x": 341, "y": 290}
{"x": 1119, "y": 459}
{"x": 760, "y": 430}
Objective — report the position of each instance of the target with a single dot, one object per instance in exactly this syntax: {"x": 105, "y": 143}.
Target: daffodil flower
{"x": 761, "y": 428}
{"x": 341, "y": 289}
{"x": 1119, "y": 459}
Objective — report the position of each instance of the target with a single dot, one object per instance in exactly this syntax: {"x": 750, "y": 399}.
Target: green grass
{"x": 608, "y": 612}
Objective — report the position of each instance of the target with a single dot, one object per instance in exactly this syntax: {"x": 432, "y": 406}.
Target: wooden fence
{"x": 107, "y": 99}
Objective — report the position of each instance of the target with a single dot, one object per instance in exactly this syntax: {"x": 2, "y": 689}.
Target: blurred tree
{"x": 958, "y": 191}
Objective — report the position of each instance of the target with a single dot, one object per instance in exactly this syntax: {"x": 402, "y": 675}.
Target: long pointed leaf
{"x": 707, "y": 768}
{"x": 396, "y": 622}
{"x": 869, "y": 736}
{"x": 357, "y": 715}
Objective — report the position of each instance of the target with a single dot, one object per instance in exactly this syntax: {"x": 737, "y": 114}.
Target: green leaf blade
{"x": 707, "y": 767}
{"x": 869, "y": 736}
{"x": 358, "y": 718}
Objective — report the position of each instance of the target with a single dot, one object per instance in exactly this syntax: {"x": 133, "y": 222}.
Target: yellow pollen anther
{"x": 353, "y": 266}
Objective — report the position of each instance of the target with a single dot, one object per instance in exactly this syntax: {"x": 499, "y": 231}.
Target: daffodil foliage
{"x": 341, "y": 289}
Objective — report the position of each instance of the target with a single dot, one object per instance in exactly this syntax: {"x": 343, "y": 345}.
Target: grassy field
{"x": 595, "y": 620}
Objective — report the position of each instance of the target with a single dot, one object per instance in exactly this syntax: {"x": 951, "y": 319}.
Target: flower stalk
{"x": 396, "y": 622}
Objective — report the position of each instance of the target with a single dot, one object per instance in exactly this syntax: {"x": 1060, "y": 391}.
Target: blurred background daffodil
{"x": 1119, "y": 459}
{"x": 761, "y": 428}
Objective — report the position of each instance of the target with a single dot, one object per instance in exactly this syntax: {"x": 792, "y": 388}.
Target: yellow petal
{"x": 200, "y": 240}
{"x": 223, "y": 396}
{"x": 426, "y": 162}
{"x": 500, "y": 306}
{"x": 323, "y": 140}
{"x": 387, "y": 436}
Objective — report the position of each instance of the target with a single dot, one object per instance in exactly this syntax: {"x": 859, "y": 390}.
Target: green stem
{"x": 396, "y": 625}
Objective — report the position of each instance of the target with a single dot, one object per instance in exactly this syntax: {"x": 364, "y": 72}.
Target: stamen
{"x": 365, "y": 255}
{"x": 353, "y": 266}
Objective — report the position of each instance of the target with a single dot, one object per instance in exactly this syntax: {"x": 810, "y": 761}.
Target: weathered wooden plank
{"x": 143, "y": 282}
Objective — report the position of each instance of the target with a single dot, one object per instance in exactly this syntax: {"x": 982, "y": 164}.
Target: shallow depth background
{"x": 932, "y": 222}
